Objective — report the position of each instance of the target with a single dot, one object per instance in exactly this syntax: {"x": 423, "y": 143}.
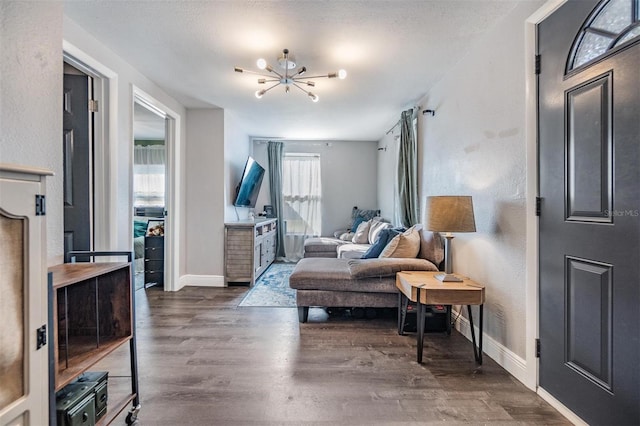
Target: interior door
{"x": 77, "y": 160}
{"x": 589, "y": 151}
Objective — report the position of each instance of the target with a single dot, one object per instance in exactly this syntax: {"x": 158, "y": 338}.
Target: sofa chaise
{"x": 366, "y": 283}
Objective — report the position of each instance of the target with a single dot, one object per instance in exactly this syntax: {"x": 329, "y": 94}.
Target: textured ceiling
{"x": 393, "y": 52}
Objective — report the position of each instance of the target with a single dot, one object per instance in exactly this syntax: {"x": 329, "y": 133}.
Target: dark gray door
{"x": 589, "y": 146}
{"x": 76, "y": 163}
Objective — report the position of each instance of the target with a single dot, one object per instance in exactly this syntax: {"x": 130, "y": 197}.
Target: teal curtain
{"x": 408, "y": 171}
{"x": 274, "y": 150}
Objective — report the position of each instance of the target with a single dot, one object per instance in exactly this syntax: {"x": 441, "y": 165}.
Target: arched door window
{"x": 612, "y": 24}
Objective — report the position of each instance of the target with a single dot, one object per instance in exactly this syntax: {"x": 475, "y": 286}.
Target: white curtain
{"x": 302, "y": 197}
{"x": 148, "y": 175}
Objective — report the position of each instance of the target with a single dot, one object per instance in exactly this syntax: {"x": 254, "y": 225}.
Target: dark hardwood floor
{"x": 204, "y": 361}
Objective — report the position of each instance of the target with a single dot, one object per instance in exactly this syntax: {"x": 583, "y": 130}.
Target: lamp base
{"x": 448, "y": 278}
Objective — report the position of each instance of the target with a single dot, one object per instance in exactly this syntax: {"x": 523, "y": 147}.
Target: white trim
{"x": 570, "y": 415}
{"x": 105, "y": 149}
{"x": 172, "y": 193}
{"x": 202, "y": 281}
{"x": 531, "y": 136}
{"x": 507, "y": 359}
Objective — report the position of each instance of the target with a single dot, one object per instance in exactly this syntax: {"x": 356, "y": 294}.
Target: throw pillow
{"x": 346, "y": 236}
{"x": 356, "y": 222}
{"x": 406, "y": 244}
{"x": 377, "y": 225}
{"x": 387, "y": 267}
{"x": 362, "y": 233}
{"x": 431, "y": 246}
{"x": 384, "y": 236}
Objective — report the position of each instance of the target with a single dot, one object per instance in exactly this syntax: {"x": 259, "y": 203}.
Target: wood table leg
{"x": 420, "y": 323}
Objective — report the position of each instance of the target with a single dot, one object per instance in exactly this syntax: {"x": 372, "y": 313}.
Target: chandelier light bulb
{"x": 262, "y": 64}
{"x": 259, "y": 93}
{"x": 313, "y": 97}
{"x": 342, "y": 74}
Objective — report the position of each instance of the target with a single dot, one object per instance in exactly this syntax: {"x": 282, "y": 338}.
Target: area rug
{"x": 272, "y": 288}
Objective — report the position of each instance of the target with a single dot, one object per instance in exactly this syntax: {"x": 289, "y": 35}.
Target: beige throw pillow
{"x": 406, "y": 244}
{"x": 362, "y": 233}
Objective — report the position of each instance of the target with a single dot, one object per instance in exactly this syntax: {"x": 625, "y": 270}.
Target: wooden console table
{"x": 92, "y": 313}
{"x": 424, "y": 289}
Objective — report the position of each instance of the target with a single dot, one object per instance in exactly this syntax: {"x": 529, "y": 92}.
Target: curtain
{"x": 301, "y": 195}
{"x": 274, "y": 150}
{"x": 408, "y": 171}
{"x": 148, "y": 175}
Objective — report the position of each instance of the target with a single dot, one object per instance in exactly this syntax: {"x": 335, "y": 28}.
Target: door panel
{"x": 77, "y": 161}
{"x": 589, "y": 151}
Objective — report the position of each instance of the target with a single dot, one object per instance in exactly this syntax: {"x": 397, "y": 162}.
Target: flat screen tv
{"x": 249, "y": 186}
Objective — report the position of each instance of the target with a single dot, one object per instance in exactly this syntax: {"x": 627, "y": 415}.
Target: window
{"x": 148, "y": 176}
{"x": 302, "y": 194}
{"x": 611, "y": 24}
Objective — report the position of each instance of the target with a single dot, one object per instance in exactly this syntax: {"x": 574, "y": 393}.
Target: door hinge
{"x": 93, "y": 105}
{"x": 537, "y": 348}
{"x": 538, "y": 206}
{"x": 41, "y": 336}
{"x": 40, "y": 205}
{"x": 537, "y": 64}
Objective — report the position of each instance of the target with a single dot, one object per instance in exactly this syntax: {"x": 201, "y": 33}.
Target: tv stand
{"x": 249, "y": 249}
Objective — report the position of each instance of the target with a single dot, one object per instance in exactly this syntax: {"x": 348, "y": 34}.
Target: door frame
{"x": 532, "y": 190}
{"x": 172, "y": 189}
{"x": 104, "y": 88}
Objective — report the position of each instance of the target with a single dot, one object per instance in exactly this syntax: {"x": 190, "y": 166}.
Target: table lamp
{"x": 449, "y": 214}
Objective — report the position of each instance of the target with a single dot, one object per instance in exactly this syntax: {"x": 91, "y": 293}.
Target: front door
{"x": 589, "y": 150}
{"x": 77, "y": 160}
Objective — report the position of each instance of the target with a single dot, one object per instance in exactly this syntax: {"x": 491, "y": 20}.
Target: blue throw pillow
{"x": 357, "y": 221}
{"x": 384, "y": 237}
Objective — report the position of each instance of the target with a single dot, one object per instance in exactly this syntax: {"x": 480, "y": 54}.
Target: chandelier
{"x": 289, "y": 76}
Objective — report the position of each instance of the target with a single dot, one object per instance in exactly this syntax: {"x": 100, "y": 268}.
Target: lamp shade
{"x": 450, "y": 214}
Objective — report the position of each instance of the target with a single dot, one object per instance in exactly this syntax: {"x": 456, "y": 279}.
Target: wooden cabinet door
{"x": 23, "y": 301}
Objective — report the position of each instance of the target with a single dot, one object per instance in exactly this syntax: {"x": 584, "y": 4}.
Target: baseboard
{"x": 202, "y": 281}
{"x": 570, "y": 415}
{"x": 514, "y": 364}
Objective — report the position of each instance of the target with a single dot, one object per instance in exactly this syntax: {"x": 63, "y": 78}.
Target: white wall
{"x": 349, "y": 177}
{"x": 30, "y": 99}
{"x": 475, "y": 145}
{"x": 237, "y": 146}
{"x": 205, "y": 193}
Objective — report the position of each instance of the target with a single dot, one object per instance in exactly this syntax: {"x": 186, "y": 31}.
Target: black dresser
{"x": 153, "y": 261}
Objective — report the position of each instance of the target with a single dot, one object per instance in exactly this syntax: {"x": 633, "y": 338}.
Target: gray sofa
{"x": 366, "y": 283}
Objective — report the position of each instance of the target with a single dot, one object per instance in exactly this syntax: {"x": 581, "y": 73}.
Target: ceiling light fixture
{"x": 288, "y": 77}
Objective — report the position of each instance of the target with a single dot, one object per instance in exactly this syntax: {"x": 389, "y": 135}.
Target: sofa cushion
{"x": 406, "y": 244}
{"x": 322, "y": 244}
{"x": 335, "y": 275}
{"x": 376, "y": 226}
{"x": 352, "y": 251}
{"x": 362, "y": 233}
{"x": 386, "y": 267}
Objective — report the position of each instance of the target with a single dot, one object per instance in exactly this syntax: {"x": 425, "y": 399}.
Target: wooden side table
{"x": 422, "y": 288}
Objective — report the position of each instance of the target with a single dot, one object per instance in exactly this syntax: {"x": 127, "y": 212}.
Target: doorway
{"x": 589, "y": 228}
{"x": 77, "y": 149}
{"x": 149, "y": 194}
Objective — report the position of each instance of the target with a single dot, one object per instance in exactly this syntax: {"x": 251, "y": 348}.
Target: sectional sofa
{"x": 330, "y": 281}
